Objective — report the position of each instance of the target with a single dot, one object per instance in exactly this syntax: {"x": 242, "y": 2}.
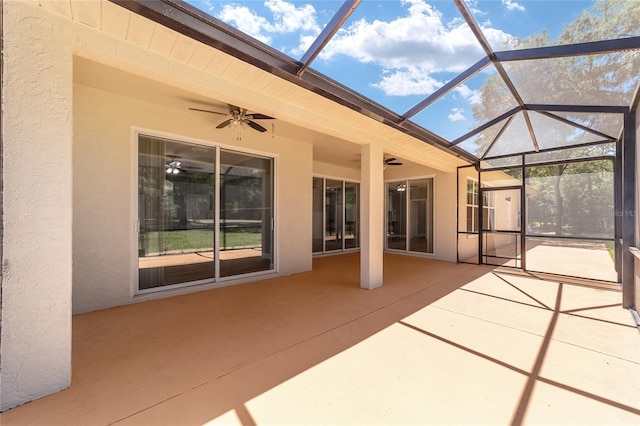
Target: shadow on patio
{"x": 439, "y": 343}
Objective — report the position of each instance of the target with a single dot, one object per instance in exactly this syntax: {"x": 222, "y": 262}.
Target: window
{"x": 198, "y": 224}
{"x": 488, "y": 209}
{"x": 336, "y": 215}
{"x": 409, "y": 211}
{"x": 472, "y": 205}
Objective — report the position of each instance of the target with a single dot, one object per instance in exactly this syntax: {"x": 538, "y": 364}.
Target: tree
{"x": 604, "y": 79}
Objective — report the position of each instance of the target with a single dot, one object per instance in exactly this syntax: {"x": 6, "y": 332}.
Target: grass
{"x": 200, "y": 239}
{"x": 611, "y": 248}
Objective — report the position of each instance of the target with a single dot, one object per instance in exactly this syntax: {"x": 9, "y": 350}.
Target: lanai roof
{"x": 482, "y": 79}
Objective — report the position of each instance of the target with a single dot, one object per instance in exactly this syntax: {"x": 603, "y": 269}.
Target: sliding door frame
{"x": 217, "y": 280}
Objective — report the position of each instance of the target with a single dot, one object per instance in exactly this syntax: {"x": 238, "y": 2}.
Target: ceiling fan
{"x": 392, "y": 162}
{"x": 238, "y": 117}
{"x": 174, "y": 166}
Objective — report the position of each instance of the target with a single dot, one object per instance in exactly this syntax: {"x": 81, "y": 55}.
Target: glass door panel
{"x": 396, "y": 216}
{"x": 420, "y": 215}
{"x": 318, "y": 217}
{"x": 175, "y": 213}
{"x": 351, "y": 215}
{"x": 333, "y": 233}
{"x": 246, "y": 214}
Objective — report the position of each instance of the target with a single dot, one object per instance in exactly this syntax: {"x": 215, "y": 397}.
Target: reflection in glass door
{"x": 397, "y": 216}
{"x": 351, "y": 215}
{"x": 176, "y": 213}
{"x": 318, "y": 215}
{"x": 246, "y": 213}
{"x": 333, "y": 232}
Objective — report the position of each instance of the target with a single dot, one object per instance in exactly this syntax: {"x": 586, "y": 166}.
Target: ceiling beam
{"x": 578, "y": 108}
{"x": 567, "y": 50}
{"x": 449, "y": 86}
{"x": 486, "y": 125}
{"x": 579, "y": 126}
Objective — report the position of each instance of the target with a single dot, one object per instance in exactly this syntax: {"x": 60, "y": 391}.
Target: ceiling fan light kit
{"x": 239, "y": 118}
{"x": 173, "y": 168}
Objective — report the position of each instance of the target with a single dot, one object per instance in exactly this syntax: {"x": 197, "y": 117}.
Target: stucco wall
{"x": 104, "y": 166}
{"x": 37, "y": 173}
{"x": 338, "y": 172}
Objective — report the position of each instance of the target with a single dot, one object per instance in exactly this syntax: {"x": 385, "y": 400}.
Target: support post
{"x": 371, "y": 216}
{"x": 628, "y": 208}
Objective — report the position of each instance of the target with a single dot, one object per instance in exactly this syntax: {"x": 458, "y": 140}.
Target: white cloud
{"x": 407, "y": 82}
{"x": 416, "y": 46}
{"x": 287, "y": 18}
{"x": 421, "y": 39}
{"x": 410, "y": 49}
{"x": 246, "y": 21}
{"x": 513, "y": 5}
{"x": 456, "y": 114}
{"x": 472, "y": 96}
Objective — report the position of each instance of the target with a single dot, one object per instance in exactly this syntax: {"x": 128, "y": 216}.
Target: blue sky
{"x": 399, "y": 52}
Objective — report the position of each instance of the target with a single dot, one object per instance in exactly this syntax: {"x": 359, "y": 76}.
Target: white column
{"x": 371, "y": 216}
{"x": 37, "y": 205}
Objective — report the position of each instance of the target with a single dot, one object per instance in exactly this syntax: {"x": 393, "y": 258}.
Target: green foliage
{"x": 580, "y": 204}
{"x": 605, "y": 79}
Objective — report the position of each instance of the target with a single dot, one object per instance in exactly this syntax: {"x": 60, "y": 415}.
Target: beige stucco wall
{"x": 37, "y": 172}
{"x": 333, "y": 171}
{"x": 104, "y": 193}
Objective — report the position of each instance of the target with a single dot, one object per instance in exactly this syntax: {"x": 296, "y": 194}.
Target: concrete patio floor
{"x": 440, "y": 343}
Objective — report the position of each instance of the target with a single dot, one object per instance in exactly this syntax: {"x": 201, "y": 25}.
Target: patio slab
{"x": 438, "y": 343}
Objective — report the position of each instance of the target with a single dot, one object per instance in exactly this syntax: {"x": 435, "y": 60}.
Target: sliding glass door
{"x": 335, "y": 215}
{"x": 246, "y": 213}
{"x": 197, "y": 224}
{"x": 409, "y": 214}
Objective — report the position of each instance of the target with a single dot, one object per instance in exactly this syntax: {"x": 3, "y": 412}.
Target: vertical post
{"x": 628, "y": 208}
{"x": 617, "y": 201}
{"x": 523, "y": 216}
{"x": 372, "y": 216}
{"x": 480, "y": 219}
{"x": 37, "y": 133}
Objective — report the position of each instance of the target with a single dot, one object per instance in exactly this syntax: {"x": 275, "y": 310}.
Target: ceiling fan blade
{"x": 210, "y": 112}
{"x": 261, "y": 117}
{"x": 225, "y": 123}
{"x": 256, "y": 126}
